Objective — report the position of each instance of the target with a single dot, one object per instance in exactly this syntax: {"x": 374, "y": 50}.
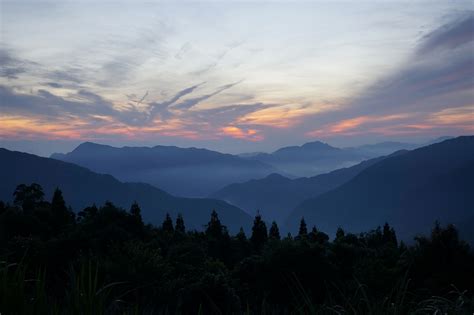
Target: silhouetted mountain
{"x": 410, "y": 191}
{"x": 309, "y": 159}
{"x": 382, "y": 148}
{"x": 82, "y": 187}
{"x": 184, "y": 172}
{"x": 275, "y": 196}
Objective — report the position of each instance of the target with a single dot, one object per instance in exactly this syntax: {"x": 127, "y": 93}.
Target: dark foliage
{"x": 107, "y": 261}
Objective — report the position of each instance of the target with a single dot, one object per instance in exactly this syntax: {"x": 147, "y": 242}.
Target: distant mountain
{"x": 275, "y": 196}
{"x": 314, "y": 158}
{"x": 382, "y": 148}
{"x": 310, "y": 159}
{"x": 82, "y": 187}
{"x": 410, "y": 191}
{"x": 189, "y": 172}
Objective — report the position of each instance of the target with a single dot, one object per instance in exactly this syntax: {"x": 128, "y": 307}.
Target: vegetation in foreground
{"x": 105, "y": 260}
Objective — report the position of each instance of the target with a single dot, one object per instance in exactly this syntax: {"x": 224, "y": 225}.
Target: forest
{"x": 107, "y": 260}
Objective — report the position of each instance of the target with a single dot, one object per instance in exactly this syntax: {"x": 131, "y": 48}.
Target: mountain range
{"x": 314, "y": 158}
{"x": 185, "y": 171}
{"x": 275, "y": 196}
{"x": 410, "y": 191}
{"x": 82, "y": 187}
{"x": 188, "y": 172}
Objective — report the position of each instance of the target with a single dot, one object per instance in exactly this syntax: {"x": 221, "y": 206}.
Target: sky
{"x": 237, "y": 76}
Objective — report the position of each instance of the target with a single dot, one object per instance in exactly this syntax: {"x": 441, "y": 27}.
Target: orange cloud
{"x": 238, "y": 133}
{"x": 348, "y": 126}
{"x": 281, "y": 116}
{"x": 454, "y": 116}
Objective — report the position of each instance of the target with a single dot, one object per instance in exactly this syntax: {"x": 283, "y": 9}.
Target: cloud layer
{"x": 139, "y": 73}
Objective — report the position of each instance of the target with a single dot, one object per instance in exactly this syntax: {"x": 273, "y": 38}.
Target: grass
{"x": 22, "y": 292}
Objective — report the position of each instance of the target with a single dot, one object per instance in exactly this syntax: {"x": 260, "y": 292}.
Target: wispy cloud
{"x": 437, "y": 77}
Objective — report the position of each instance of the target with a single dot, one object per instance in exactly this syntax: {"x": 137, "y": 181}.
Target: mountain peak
{"x": 317, "y": 145}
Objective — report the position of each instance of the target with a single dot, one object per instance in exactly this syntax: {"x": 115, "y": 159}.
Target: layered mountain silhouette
{"x": 189, "y": 172}
{"x": 314, "y": 158}
{"x": 410, "y": 191}
{"x": 82, "y": 187}
{"x": 275, "y": 196}
{"x": 309, "y": 159}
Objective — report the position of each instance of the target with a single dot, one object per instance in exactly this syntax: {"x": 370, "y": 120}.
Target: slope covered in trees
{"x": 82, "y": 187}
{"x": 275, "y": 196}
{"x": 410, "y": 190}
{"x": 104, "y": 260}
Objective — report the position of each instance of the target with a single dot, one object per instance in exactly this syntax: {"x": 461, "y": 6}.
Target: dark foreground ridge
{"x": 105, "y": 260}
{"x": 82, "y": 187}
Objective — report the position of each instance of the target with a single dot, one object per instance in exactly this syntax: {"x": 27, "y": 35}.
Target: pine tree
{"x": 274, "y": 233}
{"x": 303, "y": 232}
{"x": 61, "y": 215}
{"x": 180, "y": 224}
{"x": 214, "y": 228}
{"x": 388, "y": 235}
{"x": 259, "y": 233}
{"x": 241, "y": 235}
{"x": 167, "y": 225}
{"x": 135, "y": 211}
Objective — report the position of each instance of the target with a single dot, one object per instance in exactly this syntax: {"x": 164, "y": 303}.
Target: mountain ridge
{"x": 421, "y": 184}
{"x": 82, "y": 187}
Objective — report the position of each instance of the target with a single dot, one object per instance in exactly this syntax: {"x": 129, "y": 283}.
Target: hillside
{"x": 410, "y": 191}
{"x": 82, "y": 187}
{"x": 275, "y": 196}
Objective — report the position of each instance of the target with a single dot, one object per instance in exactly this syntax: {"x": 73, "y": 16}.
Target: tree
{"x": 388, "y": 235}
{"x": 136, "y": 212}
{"x": 214, "y": 228}
{"x": 179, "y": 227}
{"x": 28, "y": 196}
{"x": 2, "y": 207}
{"x": 274, "y": 233}
{"x": 303, "y": 232}
{"x": 241, "y": 235}
{"x": 317, "y": 236}
{"x": 340, "y": 234}
{"x": 167, "y": 225}
{"x": 259, "y": 233}
{"x": 88, "y": 212}
{"x": 61, "y": 214}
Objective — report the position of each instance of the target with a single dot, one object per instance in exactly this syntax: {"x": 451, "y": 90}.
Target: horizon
{"x": 160, "y": 73}
{"x": 31, "y": 148}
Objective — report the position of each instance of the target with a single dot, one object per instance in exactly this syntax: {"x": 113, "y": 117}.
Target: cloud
{"x": 44, "y": 103}
{"x": 438, "y": 76}
{"x": 54, "y": 85}
{"x": 10, "y": 66}
{"x": 161, "y": 108}
{"x": 239, "y": 133}
{"x": 449, "y": 36}
{"x": 189, "y": 103}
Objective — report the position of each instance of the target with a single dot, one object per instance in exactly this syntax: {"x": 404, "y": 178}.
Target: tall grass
{"x": 25, "y": 292}
{"x": 21, "y": 293}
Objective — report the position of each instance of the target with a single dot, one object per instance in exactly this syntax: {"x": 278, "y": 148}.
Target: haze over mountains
{"x": 82, "y": 187}
{"x": 314, "y": 158}
{"x": 409, "y": 190}
{"x": 186, "y": 171}
{"x": 189, "y": 172}
{"x": 275, "y": 196}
